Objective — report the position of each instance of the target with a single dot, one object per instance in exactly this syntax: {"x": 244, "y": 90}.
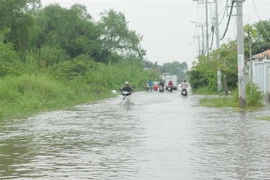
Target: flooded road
{"x": 159, "y": 136}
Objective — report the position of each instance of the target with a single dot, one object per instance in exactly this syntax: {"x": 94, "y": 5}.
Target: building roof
{"x": 262, "y": 55}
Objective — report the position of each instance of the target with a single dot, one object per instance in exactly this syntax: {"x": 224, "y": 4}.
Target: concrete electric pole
{"x": 201, "y": 26}
{"x": 199, "y": 44}
{"x": 240, "y": 52}
{"x": 217, "y": 43}
{"x": 205, "y": 49}
{"x": 206, "y": 26}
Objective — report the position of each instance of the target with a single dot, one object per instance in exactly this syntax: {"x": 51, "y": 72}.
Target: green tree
{"x": 116, "y": 37}
{"x": 70, "y": 29}
{"x": 261, "y": 38}
{"x": 204, "y": 73}
{"x": 177, "y": 68}
{"x": 17, "y": 15}
{"x": 11, "y": 9}
{"x": 10, "y": 63}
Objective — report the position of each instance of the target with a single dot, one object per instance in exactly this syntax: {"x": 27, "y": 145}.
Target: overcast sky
{"x": 166, "y": 25}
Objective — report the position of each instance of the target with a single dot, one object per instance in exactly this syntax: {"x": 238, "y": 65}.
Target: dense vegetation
{"x": 55, "y": 57}
{"x": 203, "y": 75}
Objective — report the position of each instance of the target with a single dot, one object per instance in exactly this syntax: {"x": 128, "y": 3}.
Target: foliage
{"x": 56, "y": 55}
{"x": 254, "y": 96}
{"x": 253, "y": 99}
{"x": 204, "y": 72}
{"x": 177, "y": 68}
{"x": 218, "y": 102}
{"x": 24, "y": 95}
{"x": 10, "y": 10}
{"x": 68, "y": 29}
{"x": 116, "y": 37}
{"x": 17, "y": 15}
{"x": 10, "y": 62}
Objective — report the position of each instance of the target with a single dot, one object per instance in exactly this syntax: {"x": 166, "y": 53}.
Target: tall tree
{"x": 70, "y": 29}
{"x": 116, "y": 37}
{"x": 262, "y": 38}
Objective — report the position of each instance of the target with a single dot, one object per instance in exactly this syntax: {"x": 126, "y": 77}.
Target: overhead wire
{"x": 224, "y": 12}
{"x": 228, "y": 22}
{"x": 255, "y": 7}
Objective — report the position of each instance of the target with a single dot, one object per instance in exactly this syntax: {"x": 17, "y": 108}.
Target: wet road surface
{"x": 157, "y": 136}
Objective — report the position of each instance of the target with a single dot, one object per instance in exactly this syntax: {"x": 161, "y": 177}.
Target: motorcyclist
{"x": 161, "y": 84}
{"x": 170, "y": 86}
{"x": 155, "y": 83}
{"x": 127, "y": 88}
{"x": 170, "y": 83}
{"x": 184, "y": 84}
{"x": 184, "y": 87}
{"x": 150, "y": 84}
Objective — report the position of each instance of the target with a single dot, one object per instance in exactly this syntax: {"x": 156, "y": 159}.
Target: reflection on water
{"x": 157, "y": 136}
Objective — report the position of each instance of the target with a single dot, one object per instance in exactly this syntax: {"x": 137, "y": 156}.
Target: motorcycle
{"x": 184, "y": 92}
{"x": 184, "y": 87}
{"x": 147, "y": 87}
{"x": 161, "y": 88}
{"x": 155, "y": 87}
{"x": 125, "y": 96}
{"x": 170, "y": 88}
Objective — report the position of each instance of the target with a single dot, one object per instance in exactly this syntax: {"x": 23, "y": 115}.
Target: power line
{"x": 224, "y": 12}
{"x": 260, "y": 19}
{"x": 228, "y": 22}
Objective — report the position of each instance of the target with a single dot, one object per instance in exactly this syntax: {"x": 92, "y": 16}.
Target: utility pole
{"x": 203, "y": 48}
{"x": 199, "y": 45}
{"x": 206, "y": 25}
{"x": 217, "y": 44}
{"x": 199, "y": 50}
{"x": 250, "y": 58}
{"x": 240, "y": 52}
{"x": 250, "y": 63}
{"x": 201, "y": 26}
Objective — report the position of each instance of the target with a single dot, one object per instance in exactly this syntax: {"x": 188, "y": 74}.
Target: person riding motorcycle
{"x": 149, "y": 85}
{"x": 155, "y": 83}
{"x": 127, "y": 88}
{"x": 161, "y": 84}
{"x": 170, "y": 86}
{"x": 184, "y": 87}
{"x": 184, "y": 84}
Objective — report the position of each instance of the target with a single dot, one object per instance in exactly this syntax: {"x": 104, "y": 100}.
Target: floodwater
{"x": 158, "y": 136}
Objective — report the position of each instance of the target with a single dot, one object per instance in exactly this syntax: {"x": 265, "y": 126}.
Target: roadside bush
{"x": 253, "y": 95}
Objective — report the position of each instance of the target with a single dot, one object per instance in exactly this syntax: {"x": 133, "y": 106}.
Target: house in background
{"x": 261, "y": 71}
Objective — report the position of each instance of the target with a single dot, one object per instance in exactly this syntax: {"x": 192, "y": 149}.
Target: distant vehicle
{"x": 170, "y": 77}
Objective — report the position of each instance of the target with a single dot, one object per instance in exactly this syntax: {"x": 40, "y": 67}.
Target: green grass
{"x": 227, "y": 101}
{"x": 266, "y": 118}
{"x": 218, "y": 102}
{"x": 25, "y": 95}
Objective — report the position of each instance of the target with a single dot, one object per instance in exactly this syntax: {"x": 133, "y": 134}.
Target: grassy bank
{"x": 220, "y": 101}
{"x": 25, "y": 95}
{"x": 253, "y": 99}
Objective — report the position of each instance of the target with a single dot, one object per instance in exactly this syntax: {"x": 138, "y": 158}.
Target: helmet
{"x": 126, "y": 82}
